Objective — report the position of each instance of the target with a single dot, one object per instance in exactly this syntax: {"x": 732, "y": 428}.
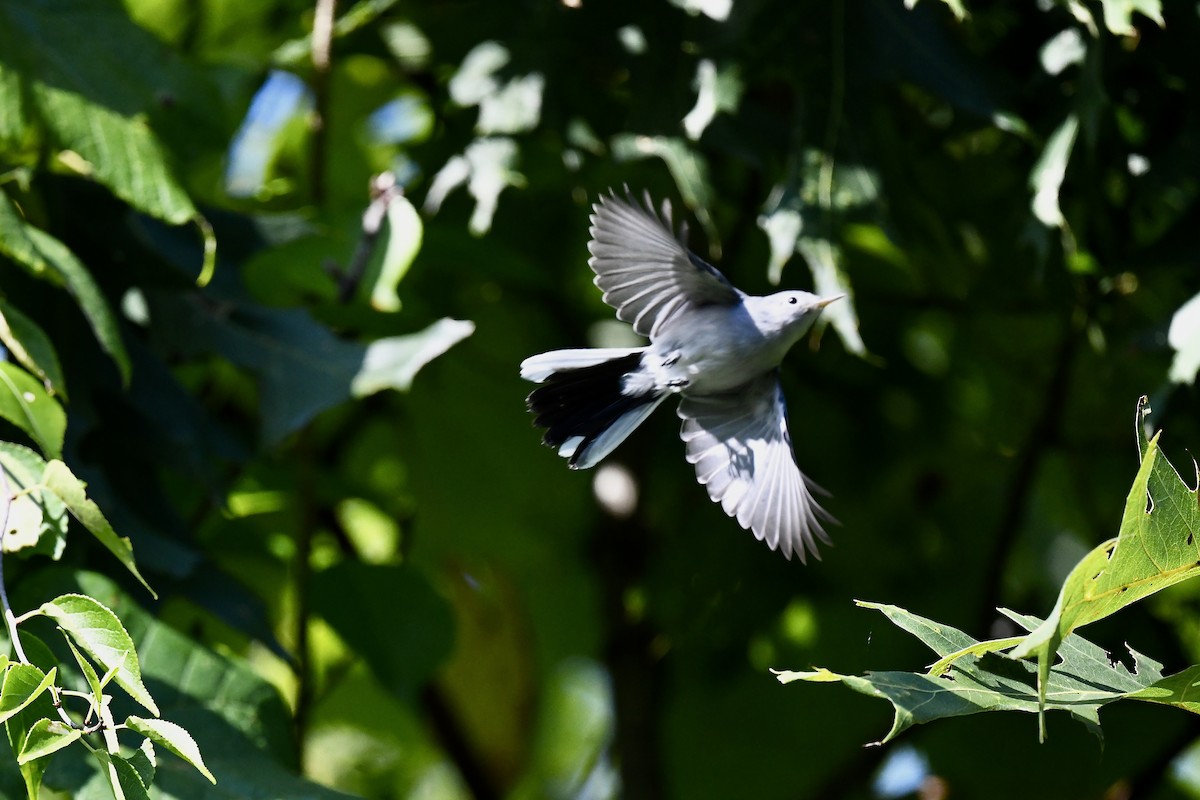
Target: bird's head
{"x": 789, "y": 314}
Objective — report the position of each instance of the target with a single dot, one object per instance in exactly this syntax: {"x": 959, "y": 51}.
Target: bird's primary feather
{"x": 645, "y": 272}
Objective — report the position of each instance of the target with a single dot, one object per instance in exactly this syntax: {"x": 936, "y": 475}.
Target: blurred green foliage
{"x": 400, "y": 593}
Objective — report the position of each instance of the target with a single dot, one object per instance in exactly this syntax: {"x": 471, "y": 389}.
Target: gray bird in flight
{"x": 716, "y": 347}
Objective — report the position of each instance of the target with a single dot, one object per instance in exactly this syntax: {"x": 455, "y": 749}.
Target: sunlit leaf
{"x": 392, "y": 363}
{"x": 487, "y": 167}
{"x": 45, "y": 737}
{"x": 1155, "y": 548}
{"x": 96, "y": 113}
{"x": 1048, "y": 173}
{"x": 31, "y": 347}
{"x": 173, "y": 738}
{"x": 98, "y": 632}
{"x": 95, "y": 685}
{"x": 515, "y": 107}
{"x": 980, "y": 680}
{"x": 960, "y": 11}
{"x": 717, "y": 91}
{"x": 399, "y": 243}
{"x": 37, "y": 517}
{"x": 1118, "y": 14}
{"x": 1184, "y": 337}
{"x": 59, "y": 480}
{"x": 830, "y": 280}
{"x": 235, "y": 715}
{"x": 25, "y": 403}
{"x": 17, "y": 726}
{"x": 22, "y": 685}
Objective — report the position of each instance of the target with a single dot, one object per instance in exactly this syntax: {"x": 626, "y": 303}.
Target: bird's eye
{"x": 793, "y": 300}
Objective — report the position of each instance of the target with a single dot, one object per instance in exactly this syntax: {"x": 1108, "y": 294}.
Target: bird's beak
{"x": 824, "y": 301}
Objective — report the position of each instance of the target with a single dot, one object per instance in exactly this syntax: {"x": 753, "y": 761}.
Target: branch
{"x": 10, "y": 621}
{"x": 383, "y": 191}
{"x": 322, "y": 41}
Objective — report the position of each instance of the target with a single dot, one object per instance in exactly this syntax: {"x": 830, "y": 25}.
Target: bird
{"x": 715, "y": 347}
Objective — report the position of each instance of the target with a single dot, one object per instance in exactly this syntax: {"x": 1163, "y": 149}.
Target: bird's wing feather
{"x": 645, "y": 272}
{"x": 739, "y": 444}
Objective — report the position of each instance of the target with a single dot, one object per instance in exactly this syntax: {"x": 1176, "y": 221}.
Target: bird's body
{"x": 716, "y": 347}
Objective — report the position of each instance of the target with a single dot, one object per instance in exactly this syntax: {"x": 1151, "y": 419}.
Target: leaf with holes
{"x": 1156, "y": 547}
{"x": 98, "y": 632}
{"x": 37, "y": 518}
{"x": 971, "y": 677}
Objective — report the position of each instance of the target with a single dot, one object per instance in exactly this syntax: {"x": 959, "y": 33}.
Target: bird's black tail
{"x": 585, "y": 409}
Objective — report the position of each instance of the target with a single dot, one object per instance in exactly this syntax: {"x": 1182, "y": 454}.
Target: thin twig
{"x": 9, "y": 620}
{"x": 384, "y": 190}
{"x": 322, "y": 45}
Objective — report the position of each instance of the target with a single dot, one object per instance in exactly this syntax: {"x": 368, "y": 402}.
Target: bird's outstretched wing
{"x": 645, "y": 271}
{"x": 739, "y": 444}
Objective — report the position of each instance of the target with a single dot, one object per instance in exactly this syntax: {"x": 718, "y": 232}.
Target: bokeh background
{"x": 389, "y": 589}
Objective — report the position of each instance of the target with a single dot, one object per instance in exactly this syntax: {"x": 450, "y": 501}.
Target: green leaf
{"x": 956, "y": 6}
{"x": 174, "y": 738}
{"x": 799, "y": 217}
{"x": 18, "y": 726}
{"x": 47, "y": 258}
{"x": 100, "y": 634}
{"x": 1048, "y": 173}
{"x": 45, "y": 737}
{"x": 14, "y": 237}
{"x": 82, "y": 286}
{"x": 123, "y": 778}
{"x": 1179, "y": 690}
{"x": 95, "y": 114}
{"x": 1118, "y": 14}
{"x": 979, "y": 680}
{"x": 829, "y": 280}
{"x": 59, "y": 480}
{"x": 1155, "y": 548}
{"x": 393, "y": 362}
{"x": 22, "y": 685}
{"x": 717, "y": 90}
{"x": 26, "y": 403}
{"x": 237, "y": 717}
{"x": 144, "y": 762}
{"x": 37, "y": 517}
{"x": 31, "y": 347}
{"x": 89, "y": 674}
{"x": 400, "y": 241}
{"x": 302, "y": 366}
{"x": 1184, "y": 337}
